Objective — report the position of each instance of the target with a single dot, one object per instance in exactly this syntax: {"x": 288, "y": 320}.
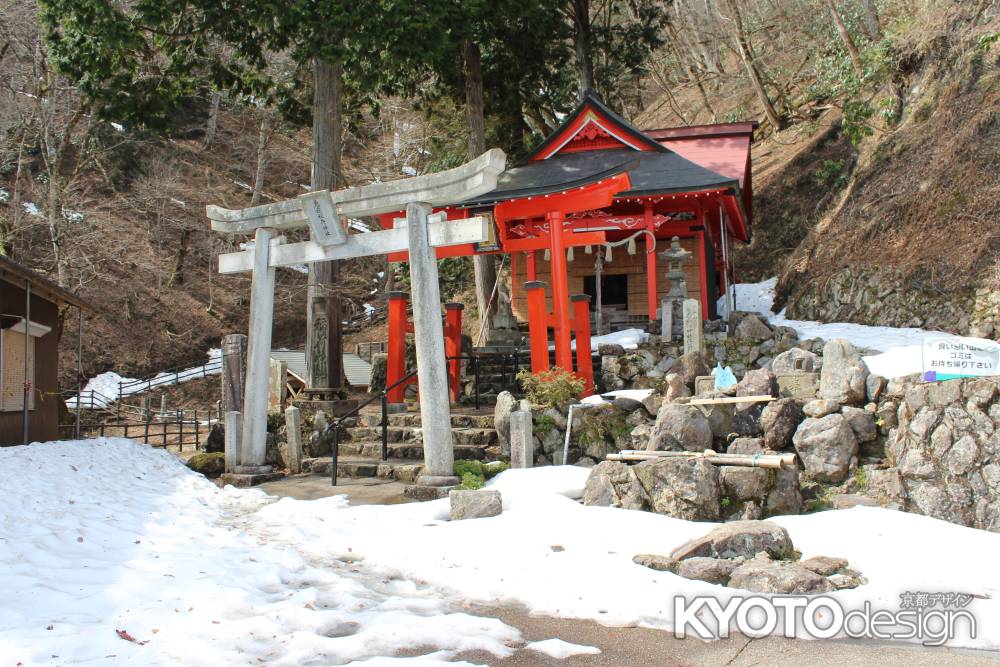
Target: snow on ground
{"x": 560, "y": 649}
{"x": 106, "y": 535}
{"x": 629, "y": 339}
{"x": 103, "y": 389}
{"x": 510, "y": 558}
{"x": 634, "y": 394}
{"x": 900, "y": 348}
{"x": 106, "y": 541}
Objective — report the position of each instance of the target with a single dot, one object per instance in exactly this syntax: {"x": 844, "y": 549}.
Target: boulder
{"x": 506, "y": 404}
{"x": 655, "y": 562}
{"x": 681, "y": 488}
{"x": 739, "y": 539}
{"x": 688, "y": 367}
{"x": 820, "y": 408}
{"x": 216, "y": 440}
{"x": 711, "y": 570}
{"x": 874, "y": 387}
{"x": 862, "y": 423}
{"x": 752, "y": 328}
{"x": 758, "y": 382}
{"x": 680, "y": 427}
{"x": 824, "y": 565}
{"x": 614, "y": 484}
{"x": 720, "y": 419}
{"x": 785, "y": 495}
{"x": 376, "y": 379}
{"x": 674, "y": 388}
{"x": 743, "y": 483}
{"x": 610, "y": 350}
{"x": 209, "y": 464}
{"x": 826, "y": 447}
{"x": 779, "y": 419}
{"x": 478, "y": 504}
{"x": 762, "y": 575}
{"x": 844, "y": 376}
{"x": 795, "y": 360}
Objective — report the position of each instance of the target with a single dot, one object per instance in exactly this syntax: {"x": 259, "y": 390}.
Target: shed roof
{"x": 18, "y": 274}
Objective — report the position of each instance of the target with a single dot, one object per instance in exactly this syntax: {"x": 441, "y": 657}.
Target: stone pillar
{"x": 163, "y": 407}
{"x": 232, "y": 432}
{"x": 253, "y": 444}
{"x": 692, "y": 326}
{"x": 234, "y": 368}
{"x": 522, "y": 440}
{"x": 293, "y": 431}
{"x": 666, "y": 320}
{"x": 277, "y": 380}
{"x": 435, "y": 410}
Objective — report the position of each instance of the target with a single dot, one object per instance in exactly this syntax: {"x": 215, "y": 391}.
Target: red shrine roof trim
{"x": 593, "y": 126}
{"x": 704, "y": 131}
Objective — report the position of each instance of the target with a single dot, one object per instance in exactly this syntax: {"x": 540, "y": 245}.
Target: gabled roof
{"x": 650, "y": 173}
{"x": 592, "y": 125}
{"x": 18, "y": 274}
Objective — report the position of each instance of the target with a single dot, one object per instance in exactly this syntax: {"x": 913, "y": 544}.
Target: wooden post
{"x": 560, "y": 291}
{"x": 395, "y": 365}
{"x": 650, "y": 263}
{"x": 537, "y": 325}
{"x": 581, "y": 327}
{"x": 163, "y": 407}
{"x": 453, "y": 348}
{"x": 197, "y": 430}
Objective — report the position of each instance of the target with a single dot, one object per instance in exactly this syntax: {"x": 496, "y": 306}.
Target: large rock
{"x": 688, "y": 367}
{"x": 479, "y": 504}
{"x": 506, "y": 404}
{"x": 209, "y": 464}
{"x": 376, "y": 379}
{"x": 656, "y": 562}
{"x": 820, "y": 408}
{"x": 758, "y": 382}
{"x": 844, "y": 376}
{"x": 753, "y": 329}
{"x": 711, "y": 570}
{"x": 680, "y": 427}
{"x": 674, "y": 388}
{"x": 739, "y": 539}
{"x": 216, "y": 440}
{"x": 614, "y": 484}
{"x": 779, "y": 420}
{"x": 826, "y": 447}
{"x": 762, "y": 575}
{"x": 795, "y": 360}
{"x": 681, "y": 488}
{"x": 862, "y": 423}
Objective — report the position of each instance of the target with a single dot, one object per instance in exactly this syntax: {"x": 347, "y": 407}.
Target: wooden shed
{"x": 30, "y": 327}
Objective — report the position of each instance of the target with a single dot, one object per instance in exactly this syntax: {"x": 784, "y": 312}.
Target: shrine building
{"x": 588, "y": 213}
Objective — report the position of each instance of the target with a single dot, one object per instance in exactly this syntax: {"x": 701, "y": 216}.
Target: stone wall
{"x": 943, "y": 457}
{"x": 881, "y": 297}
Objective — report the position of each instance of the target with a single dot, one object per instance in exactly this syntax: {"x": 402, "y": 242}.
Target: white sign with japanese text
{"x": 948, "y": 358}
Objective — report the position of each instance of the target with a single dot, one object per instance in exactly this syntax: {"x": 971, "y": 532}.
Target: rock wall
{"x": 944, "y": 455}
{"x": 881, "y": 297}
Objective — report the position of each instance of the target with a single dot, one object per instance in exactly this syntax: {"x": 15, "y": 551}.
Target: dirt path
{"x": 641, "y": 647}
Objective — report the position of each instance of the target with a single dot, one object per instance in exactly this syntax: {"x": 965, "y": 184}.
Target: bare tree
{"x": 747, "y": 57}
{"x": 872, "y": 27}
{"x": 845, "y": 35}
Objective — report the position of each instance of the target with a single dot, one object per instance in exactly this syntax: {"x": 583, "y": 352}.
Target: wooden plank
{"x": 471, "y": 179}
{"x": 731, "y": 399}
{"x": 452, "y": 232}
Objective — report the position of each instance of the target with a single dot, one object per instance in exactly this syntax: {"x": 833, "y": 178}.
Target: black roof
{"x": 649, "y": 172}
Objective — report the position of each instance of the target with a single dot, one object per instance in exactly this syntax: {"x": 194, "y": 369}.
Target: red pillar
{"x": 395, "y": 367}
{"x": 537, "y": 325}
{"x": 581, "y": 327}
{"x": 453, "y": 347}
{"x": 530, "y": 267}
{"x": 703, "y": 262}
{"x": 560, "y": 290}
{"x": 650, "y": 263}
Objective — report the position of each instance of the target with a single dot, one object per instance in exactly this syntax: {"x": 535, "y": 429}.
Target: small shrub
{"x": 544, "y": 424}
{"x": 831, "y": 174}
{"x": 552, "y": 387}
{"x": 861, "y": 477}
{"x": 472, "y": 482}
{"x": 475, "y": 473}
{"x": 987, "y": 40}
{"x": 602, "y": 423}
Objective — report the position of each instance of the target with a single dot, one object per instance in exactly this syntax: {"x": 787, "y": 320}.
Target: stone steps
{"x": 412, "y": 451}
{"x": 400, "y": 470}
{"x": 396, "y": 434}
{"x": 412, "y": 419}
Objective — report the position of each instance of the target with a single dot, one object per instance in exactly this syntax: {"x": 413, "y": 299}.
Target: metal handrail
{"x": 335, "y": 454}
{"x": 170, "y": 376}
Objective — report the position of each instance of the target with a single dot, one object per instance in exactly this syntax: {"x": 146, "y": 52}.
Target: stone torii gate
{"x": 321, "y": 211}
